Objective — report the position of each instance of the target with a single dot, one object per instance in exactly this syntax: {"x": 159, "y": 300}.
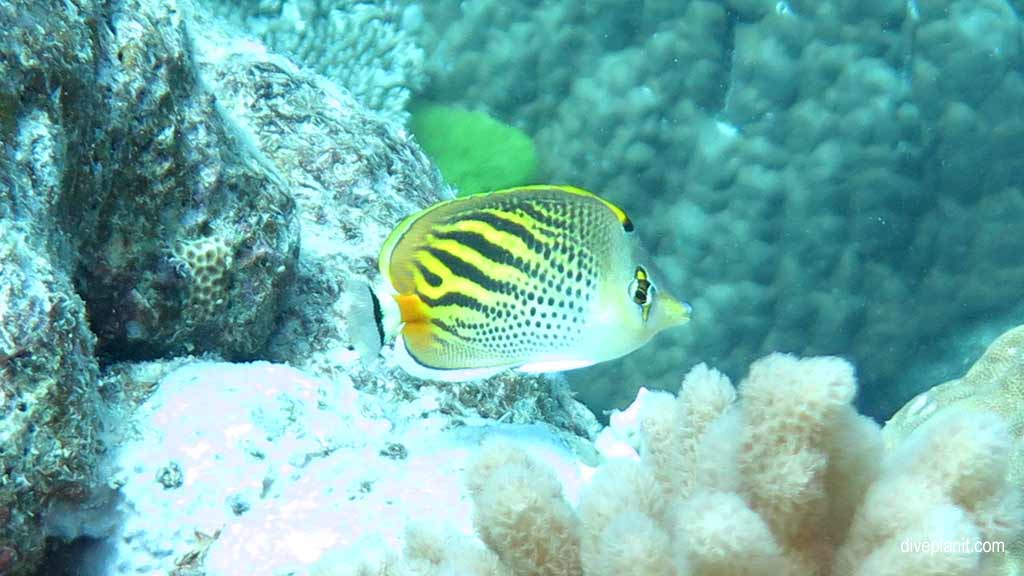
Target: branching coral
{"x": 782, "y": 478}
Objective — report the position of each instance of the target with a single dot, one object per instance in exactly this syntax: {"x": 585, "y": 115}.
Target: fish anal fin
{"x": 553, "y": 366}
{"x": 416, "y": 327}
{"x": 405, "y": 358}
{"x": 419, "y": 339}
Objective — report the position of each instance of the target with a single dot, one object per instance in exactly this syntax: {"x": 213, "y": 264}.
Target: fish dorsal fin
{"x": 620, "y": 214}
{"x": 410, "y": 234}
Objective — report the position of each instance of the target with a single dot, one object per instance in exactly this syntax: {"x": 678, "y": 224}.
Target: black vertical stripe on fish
{"x": 467, "y": 271}
{"x": 452, "y": 299}
{"x": 378, "y": 315}
{"x": 432, "y": 280}
{"x": 529, "y": 237}
{"x": 478, "y": 241}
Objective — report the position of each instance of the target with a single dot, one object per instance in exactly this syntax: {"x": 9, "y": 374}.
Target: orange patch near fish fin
{"x": 420, "y": 342}
{"x": 411, "y": 308}
{"x": 417, "y": 330}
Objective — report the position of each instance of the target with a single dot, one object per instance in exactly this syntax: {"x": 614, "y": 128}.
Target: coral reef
{"x": 994, "y": 384}
{"x": 260, "y": 469}
{"x": 366, "y": 47}
{"x": 208, "y": 262}
{"x": 50, "y": 410}
{"x": 781, "y": 476}
{"x": 137, "y": 182}
{"x": 158, "y": 177}
{"x": 353, "y": 177}
{"x": 365, "y": 175}
{"x": 818, "y": 175}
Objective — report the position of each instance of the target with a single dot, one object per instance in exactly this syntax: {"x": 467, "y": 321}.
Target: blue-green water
{"x": 816, "y": 177}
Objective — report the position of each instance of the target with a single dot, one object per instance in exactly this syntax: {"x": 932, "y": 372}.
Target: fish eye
{"x": 642, "y": 291}
{"x": 641, "y": 288}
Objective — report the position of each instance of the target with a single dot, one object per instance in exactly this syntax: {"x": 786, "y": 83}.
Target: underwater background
{"x": 191, "y": 191}
{"x": 817, "y": 177}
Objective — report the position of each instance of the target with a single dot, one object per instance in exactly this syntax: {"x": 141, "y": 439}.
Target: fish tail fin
{"x": 370, "y": 322}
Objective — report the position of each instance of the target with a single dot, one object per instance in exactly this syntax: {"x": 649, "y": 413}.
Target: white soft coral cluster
{"x": 782, "y": 477}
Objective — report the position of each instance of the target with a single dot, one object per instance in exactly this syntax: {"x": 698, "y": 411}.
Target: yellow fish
{"x": 537, "y": 278}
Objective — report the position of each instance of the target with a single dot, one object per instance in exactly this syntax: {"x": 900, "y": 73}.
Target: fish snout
{"x": 674, "y": 312}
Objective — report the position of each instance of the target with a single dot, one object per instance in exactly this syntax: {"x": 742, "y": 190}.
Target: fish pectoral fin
{"x": 365, "y": 322}
{"x": 419, "y": 339}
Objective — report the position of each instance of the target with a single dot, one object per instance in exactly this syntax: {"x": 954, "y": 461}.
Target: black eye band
{"x": 643, "y": 286}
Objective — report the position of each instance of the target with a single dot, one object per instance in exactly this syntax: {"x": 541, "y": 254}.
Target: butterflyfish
{"x": 536, "y": 278}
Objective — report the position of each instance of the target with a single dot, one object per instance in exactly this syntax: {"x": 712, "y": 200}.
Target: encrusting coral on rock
{"x": 160, "y": 175}
{"x": 157, "y": 179}
{"x": 366, "y": 47}
{"x": 780, "y": 476}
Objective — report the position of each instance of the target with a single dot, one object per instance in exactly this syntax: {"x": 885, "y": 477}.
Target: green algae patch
{"x": 475, "y": 152}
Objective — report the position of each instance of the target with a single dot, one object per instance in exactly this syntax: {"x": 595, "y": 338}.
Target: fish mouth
{"x": 676, "y": 312}
{"x": 687, "y": 312}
